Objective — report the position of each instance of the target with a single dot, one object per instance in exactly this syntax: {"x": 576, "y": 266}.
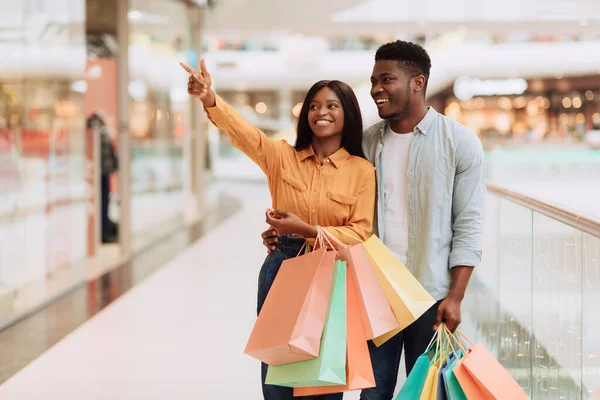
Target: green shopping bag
{"x": 413, "y": 386}
{"x": 415, "y": 381}
{"x": 453, "y": 389}
{"x": 330, "y": 367}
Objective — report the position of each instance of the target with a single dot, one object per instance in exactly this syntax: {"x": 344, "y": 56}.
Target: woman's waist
{"x": 290, "y": 243}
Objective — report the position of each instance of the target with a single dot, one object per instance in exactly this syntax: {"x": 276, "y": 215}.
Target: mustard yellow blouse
{"x": 338, "y": 195}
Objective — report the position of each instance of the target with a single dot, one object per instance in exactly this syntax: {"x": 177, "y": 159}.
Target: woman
{"x": 323, "y": 180}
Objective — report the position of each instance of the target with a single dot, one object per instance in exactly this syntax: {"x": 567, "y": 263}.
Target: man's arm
{"x": 468, "y": 204}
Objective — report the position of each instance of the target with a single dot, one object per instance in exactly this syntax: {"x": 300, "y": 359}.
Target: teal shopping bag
{"x": 415, "y": 381}
{"x": 330, "y": 367}
{"x": 453, "y": 389}
{"x": 413, "y": 386}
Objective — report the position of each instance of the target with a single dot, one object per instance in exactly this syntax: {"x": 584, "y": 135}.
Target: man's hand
{"x": 286, "y": 223}
{"x": 449, "y": 314}
{"x": 270, "y": 239}
{"x": 199, "y": 84}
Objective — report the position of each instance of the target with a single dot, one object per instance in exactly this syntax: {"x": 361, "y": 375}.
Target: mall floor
{"x": 177, "y": 334}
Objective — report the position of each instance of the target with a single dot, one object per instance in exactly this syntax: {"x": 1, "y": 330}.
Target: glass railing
{"x": 535, "y": 299}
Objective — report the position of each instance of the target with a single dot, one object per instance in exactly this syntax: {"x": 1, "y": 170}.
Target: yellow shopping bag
{"x": 407, "y": 298}
{"x": 431, "y": 382}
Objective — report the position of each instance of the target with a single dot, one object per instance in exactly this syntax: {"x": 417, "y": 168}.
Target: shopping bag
{"x": 491, "y": 376}
{"x": 430, "y": 387}
{"x": 359, "y": 370}
{"x": 438, "y": 390}
{"x": 453, "y": 389}
{"x": 469, "y": 386}
{"x": 329, "y": 368}
{"x": 441, "y": 387}
{"x": 407, "y": 298}
{"x": 290, "y": 324}
{"x": 378, "y": 318}
{"x": 420, "y": 375}
{"x": 413, "y": 386}
{"x": 481, "y": 376}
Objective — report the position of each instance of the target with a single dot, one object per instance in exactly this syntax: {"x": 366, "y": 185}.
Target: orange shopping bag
{"x": 378, "y": 318}
{"x": 481, "y": 376}
{"x": 359, "y": 370}
{"x": 468, "y": 384}
{"x": 290, "y": 324}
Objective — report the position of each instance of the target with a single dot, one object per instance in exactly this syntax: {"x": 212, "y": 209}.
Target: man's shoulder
{"x": 371, "y": 139}
{"x": 373, "y": 130}
{"x": 455, "y": 129}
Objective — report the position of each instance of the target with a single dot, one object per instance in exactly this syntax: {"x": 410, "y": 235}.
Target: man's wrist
{"x": 460, "y": 280}
{"x": 457, "y": 296}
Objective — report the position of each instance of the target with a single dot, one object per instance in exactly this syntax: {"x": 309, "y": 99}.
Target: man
{"x": 430, "y": 200}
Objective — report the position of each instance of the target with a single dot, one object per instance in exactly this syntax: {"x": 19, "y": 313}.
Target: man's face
{"x": 391, "y": 89}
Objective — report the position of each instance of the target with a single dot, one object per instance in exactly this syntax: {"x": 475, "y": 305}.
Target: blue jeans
{"x": 386, "y": 358}
{"x": 288, "y": 247}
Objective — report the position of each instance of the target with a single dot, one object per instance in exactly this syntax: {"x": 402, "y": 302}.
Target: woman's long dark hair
{"x": 353, "y": 127}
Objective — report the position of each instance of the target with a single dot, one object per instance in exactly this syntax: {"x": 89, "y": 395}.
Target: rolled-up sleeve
{"x": 468, "y": 204}
{"x": 244, "y": 136}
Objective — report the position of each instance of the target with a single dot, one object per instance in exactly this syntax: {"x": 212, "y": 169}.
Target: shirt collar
{"x": 337, "y": 159}
{"x": 422, "y": 127}
{"x": 306, "y": 153}
{"x": 427, "y": 121}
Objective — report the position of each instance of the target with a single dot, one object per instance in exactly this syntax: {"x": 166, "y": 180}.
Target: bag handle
{"x": 330, "y": 238}
{"x": 304, "y": 247}
{"x": 432, "y": 339}
{"x": 327, "y": 236}
{"x": 450, "y": 337}
{"x": 445, "y": 351}
{"x": 318, "y": 241}
{"x": 457, "y": 340}
{"x": 465, "y": 337}
{"x": 438, "y": 347}
{"x": 340, "y": 230}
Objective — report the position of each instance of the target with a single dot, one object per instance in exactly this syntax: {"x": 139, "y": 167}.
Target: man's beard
{"x": 402, "y": 113}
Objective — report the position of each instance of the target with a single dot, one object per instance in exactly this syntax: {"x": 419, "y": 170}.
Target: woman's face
{"x": 325, "y": 114}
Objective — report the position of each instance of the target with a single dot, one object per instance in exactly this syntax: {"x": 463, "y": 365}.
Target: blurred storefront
{"x": 517, "y": 110}
{"x": 42, "y": 125}
{"x": 62, "y": 62}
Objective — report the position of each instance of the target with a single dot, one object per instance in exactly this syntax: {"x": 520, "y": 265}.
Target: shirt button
{"x": 327, "y": 160}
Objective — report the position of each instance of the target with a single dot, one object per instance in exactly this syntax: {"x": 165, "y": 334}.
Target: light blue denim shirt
{"x": 446, "y": 198}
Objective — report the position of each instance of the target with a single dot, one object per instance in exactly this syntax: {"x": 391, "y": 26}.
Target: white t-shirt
{"x": 396, "y": 149}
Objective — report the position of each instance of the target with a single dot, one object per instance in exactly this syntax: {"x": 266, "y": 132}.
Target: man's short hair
{"x": 410, "y": 56}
